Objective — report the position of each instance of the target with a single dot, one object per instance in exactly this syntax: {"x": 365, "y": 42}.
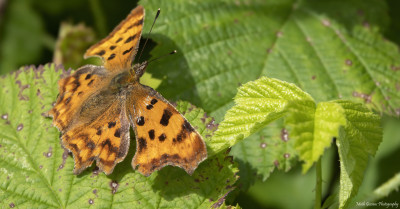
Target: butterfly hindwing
{"x": 119, "y": 48}
{"x": 163, "y": 135}
{"x": 105, "y": 139}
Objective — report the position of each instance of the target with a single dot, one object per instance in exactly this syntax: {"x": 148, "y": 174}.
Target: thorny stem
{"x": 318, "y": 186}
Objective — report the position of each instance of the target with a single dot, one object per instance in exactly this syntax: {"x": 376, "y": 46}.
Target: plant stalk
{"x": 318, "y": 186}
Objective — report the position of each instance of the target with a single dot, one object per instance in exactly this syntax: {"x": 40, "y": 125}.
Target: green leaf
{"x": 381, "y": 181}
{"x": 35, "y": 172}
{"x": 358, "y": 140}
{"x": 259, "y": 103}
{"x": 262, "y": 152}
{"x": 330, "y": 49}
{"x": 328, "y": 118}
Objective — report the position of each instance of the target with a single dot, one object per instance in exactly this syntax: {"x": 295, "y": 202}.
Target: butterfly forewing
{"x": 74, "y": 91}
{"x": 163, "y": 135}
{"x": 119, "y": 48}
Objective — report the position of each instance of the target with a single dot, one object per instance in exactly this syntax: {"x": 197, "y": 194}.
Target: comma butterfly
{"x": 98, "y": 104}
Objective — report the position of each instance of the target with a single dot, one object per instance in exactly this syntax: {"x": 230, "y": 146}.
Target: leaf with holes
{"x": 35, "y": 172}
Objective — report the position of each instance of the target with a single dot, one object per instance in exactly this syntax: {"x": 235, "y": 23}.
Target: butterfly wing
{"x": 119, "y": 48}
{"x": 92, "y": 119}
{"x": 74, "y": 90}
{"x": 163, "y": 135}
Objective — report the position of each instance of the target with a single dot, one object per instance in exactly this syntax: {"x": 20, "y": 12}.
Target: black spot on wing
{"x": 120, "y": 39}
{"x": 142, "y": 144}
{"x": 140, "y": 121}
{"x": 117, "y": 133}
{"x": 77, "y": 84}
{"x": 98, "y": 132}
{"x": 149, "y": 107}
{"x": 186, "y": 126}
{"x": 130, "y": 38}
{"x": 151, "y": 134}
{"x": 67, "y": 100}
{"x": 154, "y": 101}
{"x": 137, "y": 23}
{"x": 88, "y": 76}
{"x": 127, "y": 51}
{"x": 165, "y": 117}
{"x": 112, "y": 47}
{"x": 101, "y": 53}
{"x": 111, "y": 124}
{"x": 182, "y": 135}
{"x": 162, "y": 137}
{"x": 111, "y": 57}
{"x": 90, "y": 82}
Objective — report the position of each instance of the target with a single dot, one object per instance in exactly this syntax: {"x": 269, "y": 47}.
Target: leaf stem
{"x": 318, "y": 186}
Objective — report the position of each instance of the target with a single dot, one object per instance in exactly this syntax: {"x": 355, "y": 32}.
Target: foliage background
{"x": 28, "y": 34}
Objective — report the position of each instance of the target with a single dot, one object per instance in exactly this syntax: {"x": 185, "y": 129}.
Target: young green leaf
{"x": 328, "y": 118}
{"x": 259, "y": 103}
{"x": 35, "y": 172}
{"x": 358, "y": 140}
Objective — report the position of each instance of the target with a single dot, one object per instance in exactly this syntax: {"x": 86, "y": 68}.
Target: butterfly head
{"x": 138, "y": 70}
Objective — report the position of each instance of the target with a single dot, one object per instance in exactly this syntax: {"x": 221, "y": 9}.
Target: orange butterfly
{"x": 97, "y": 105}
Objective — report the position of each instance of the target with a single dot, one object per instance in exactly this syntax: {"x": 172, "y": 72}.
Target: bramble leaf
{"x": 35, "y": 172}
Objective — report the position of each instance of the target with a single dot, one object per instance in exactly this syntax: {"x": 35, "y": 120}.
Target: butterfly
{"x": 97, "y": 105}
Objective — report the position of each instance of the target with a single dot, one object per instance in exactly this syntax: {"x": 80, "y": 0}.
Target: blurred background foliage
{"x": 35, "y": 32}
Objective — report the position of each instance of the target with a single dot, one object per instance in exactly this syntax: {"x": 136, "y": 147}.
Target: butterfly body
{"x": 97, "y": 105}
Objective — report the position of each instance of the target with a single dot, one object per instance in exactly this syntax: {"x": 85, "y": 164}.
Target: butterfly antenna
{"x": 173, "y": 52}
{"x": 147, "y": 39}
